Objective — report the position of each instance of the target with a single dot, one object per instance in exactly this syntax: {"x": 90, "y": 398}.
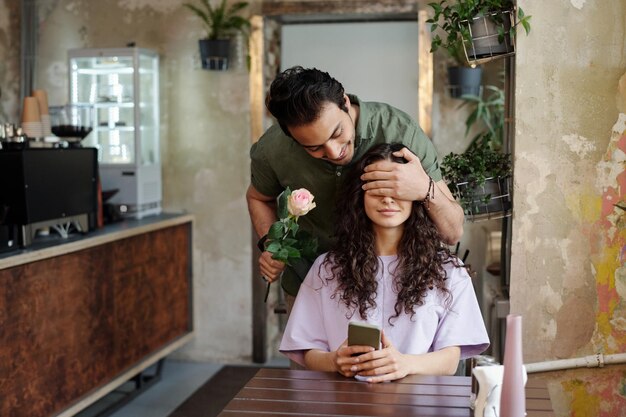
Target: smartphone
{"x": 363, "y": 334}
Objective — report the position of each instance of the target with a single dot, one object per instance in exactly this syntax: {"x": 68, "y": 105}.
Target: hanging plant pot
{"x": 490, "y": 200}
{"x": 490, "y": 37}
{"x": 214, "y": 53}
{"x": 464, "y": 80}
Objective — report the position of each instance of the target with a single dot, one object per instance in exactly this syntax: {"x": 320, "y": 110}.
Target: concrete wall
{"x": 205, "y": 140}
{"x": 569, "y": 237}
{"x": 9, "y": 60}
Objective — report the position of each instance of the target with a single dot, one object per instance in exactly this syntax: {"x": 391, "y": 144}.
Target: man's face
{"x": 330, "y": 137}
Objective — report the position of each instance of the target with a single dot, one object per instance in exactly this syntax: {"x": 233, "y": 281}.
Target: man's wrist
{"x": 261, "y": 243}
{"x": 430, "y": 193}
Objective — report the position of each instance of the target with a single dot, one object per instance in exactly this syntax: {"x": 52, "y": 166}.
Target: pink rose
{"x": 300, "y": 202}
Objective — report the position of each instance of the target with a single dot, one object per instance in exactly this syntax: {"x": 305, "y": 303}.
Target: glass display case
{"x": 122, "y": 86}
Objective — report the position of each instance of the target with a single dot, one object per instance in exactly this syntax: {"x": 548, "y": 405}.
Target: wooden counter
{"x": 81, "y": 317}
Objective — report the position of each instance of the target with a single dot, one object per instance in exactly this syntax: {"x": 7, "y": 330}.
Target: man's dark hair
{"x": 298, "y": 94}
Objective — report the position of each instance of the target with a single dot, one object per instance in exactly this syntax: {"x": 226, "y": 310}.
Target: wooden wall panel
{"x": 70, "y": 324}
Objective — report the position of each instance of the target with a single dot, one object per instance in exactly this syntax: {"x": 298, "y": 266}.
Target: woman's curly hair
{"x": 353, "y": 260}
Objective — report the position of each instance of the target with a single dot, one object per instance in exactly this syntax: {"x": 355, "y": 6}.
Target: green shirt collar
{"x": 363, "y": 132}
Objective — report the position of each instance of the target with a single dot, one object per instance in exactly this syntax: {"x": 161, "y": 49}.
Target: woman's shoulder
{"x": 456, "y": 272}
{"x": 319, "y": 272}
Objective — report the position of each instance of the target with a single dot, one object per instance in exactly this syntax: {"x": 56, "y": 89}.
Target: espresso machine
{"x": 46, "y": 188}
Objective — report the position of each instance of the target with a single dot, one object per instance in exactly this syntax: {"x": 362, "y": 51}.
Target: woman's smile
{"x": 388, "y": 211}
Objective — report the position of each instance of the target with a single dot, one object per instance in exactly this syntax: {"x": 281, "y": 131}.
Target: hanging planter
{"x": 488, "y": 200}
{"x": 485, "y": 28}
{"x": 222, "y": 23}
{"x": 214, "y": 53}
{"x": 464, "y": 81}
{"x": 490, "y": 37}
{"x": 479, "y": 179}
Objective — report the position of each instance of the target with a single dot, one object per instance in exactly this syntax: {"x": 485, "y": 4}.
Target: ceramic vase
{"x": 513, "y": 397}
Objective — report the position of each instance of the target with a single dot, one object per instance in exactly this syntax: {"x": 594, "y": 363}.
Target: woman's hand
{"x": 388, "y": 364}
{"x": 344, "y": 359}
{"x": 340, "y": 360}
{"x": 382, "y": 365}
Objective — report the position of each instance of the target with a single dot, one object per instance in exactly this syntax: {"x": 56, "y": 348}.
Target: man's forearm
{"x": 447, "y": 214}
{"x": 262, "y": 212}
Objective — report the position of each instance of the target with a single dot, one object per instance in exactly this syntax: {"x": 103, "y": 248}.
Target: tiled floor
{"x": 178, "y": 381}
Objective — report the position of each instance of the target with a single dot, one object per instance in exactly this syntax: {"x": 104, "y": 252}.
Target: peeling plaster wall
{"x": 9, "y": 61}
{"x": 568, "y": 277}
{"x": 205, "y": 139}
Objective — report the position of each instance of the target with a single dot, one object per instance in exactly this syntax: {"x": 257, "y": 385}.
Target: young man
{"x": 321, "y": 132}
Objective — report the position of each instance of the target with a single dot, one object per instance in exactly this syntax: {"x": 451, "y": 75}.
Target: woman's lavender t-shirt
{"x": 320, "y": 321}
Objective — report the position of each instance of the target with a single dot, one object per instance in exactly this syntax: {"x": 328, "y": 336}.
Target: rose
{"x": 300, "y": 202}
{"x": 285, "y": 240}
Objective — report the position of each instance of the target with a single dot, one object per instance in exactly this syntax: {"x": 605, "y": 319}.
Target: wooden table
{"x": 283, "y": 392}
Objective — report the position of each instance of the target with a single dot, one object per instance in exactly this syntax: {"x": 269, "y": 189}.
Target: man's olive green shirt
{"x": 278, "y": 162}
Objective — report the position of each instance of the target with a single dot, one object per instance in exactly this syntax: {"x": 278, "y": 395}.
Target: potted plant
{"x": 462, "y": 78}
{"x": 222, "y": 23}
{"x": 485, "y": 28}
{"x": 480, "y": 180}
{"x": 480, "y": 176}
{"x": 487, "y": 109}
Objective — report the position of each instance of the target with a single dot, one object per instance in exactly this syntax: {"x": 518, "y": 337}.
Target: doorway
{"x": 377, "y": 61}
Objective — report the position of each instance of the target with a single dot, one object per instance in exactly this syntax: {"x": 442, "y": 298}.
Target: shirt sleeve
{"x": 462, "y": 323}
{"x": 262, "y": 176}
{"x": 424, "y": 148}
{"x": 305, "y": 328}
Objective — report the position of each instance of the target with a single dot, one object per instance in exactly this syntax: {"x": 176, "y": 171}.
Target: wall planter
{"x": 489, "y": 200}
{"x": 489, "y": 37}
{"x": 222, "y": 23}
{"x": 464, "y": 81}
{"x": 479, "y": 179}
{"x": 485, "y": 28}
{"x": 214, "y": 53}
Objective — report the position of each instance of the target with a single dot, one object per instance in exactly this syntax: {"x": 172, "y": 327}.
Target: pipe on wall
{"x": 592, "y": 361}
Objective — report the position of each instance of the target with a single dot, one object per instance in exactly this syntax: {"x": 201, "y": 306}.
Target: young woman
{"x": 389, "y": 268}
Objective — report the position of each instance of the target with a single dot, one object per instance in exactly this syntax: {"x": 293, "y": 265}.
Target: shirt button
{"x": 339, "y": 173}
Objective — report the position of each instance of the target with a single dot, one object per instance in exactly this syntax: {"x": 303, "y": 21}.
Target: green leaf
{"x": 236, "y": 7}
{"x": 276, "y": 231}
{"x": 274, "y": 246}
{"x": 293, "y": 228}
{"x": 289, "y": 242}
{"x": 526, "y": 24}
{"x": 282, "y": 211}
{"x": 282, "y": 254}
{"x": 293, "y": 253}
{"x": 221, "y": 20}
